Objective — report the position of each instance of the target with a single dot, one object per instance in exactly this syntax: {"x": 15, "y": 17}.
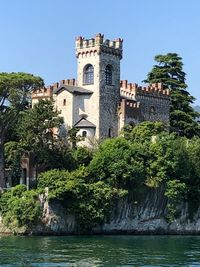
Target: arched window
{"x": 88, "y": 74}
{"x": 84, "y": 134}
{"x": 108, "y": 75}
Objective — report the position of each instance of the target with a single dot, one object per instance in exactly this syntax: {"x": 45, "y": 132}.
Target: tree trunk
{"x": 2, "y": 164}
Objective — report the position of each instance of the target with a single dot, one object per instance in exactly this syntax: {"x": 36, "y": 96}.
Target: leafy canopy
{"x": 15, "y": 89}
{"x": 20, "y": 208}
{"x": 35, "y": 130}
{"x": 89, "y": 201}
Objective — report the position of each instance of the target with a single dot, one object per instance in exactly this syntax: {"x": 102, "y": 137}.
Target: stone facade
{"x": 150, "y": 103}
{"x": 98, "y": 104}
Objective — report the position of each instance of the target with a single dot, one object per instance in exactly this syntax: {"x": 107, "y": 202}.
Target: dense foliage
{"x": 15, "y": 91}
{"x": 12, "y": 160}
{"x": 146, "y": 156}
{"x": 89, "y": 201}
{"x": 20, "y": 208}
{"x": 35, "y": 130}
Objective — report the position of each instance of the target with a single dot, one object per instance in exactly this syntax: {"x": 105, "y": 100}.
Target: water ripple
{"x": 100, "y": 251}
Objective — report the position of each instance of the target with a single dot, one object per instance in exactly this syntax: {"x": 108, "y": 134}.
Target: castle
{"x": 98, "y": 104}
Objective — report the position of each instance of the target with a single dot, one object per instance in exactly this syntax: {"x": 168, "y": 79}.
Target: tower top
{"x": 98, "y": 44}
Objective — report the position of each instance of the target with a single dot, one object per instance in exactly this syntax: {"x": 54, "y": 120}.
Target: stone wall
{"x": 109, "y": 96}
{"x": 150, "y": 103}
{"x": 154, "y": 108}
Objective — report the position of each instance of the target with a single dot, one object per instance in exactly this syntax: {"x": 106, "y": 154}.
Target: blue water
{"x": 100, "y": 251}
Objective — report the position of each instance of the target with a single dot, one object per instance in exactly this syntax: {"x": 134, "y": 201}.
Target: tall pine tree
{"x": 169, "y": 71}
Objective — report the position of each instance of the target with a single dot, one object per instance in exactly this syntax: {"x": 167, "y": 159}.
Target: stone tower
{"x": 99, "y": 71}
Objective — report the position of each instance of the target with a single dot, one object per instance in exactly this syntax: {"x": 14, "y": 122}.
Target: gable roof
{"x": 84, "y": 123}
{"x": 72, "y": 90}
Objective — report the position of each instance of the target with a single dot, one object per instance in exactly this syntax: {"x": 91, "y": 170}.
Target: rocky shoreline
{"x": 127, "y": 217}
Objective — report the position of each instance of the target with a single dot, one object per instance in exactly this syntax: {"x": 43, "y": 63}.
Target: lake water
{"x": 100, "y": 251}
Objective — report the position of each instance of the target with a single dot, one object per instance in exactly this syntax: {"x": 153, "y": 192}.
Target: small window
{"x": 108, "y": 75}
{"x": 88, "y": 74}
{"x": 84, "y": 134}
{"x": 64, "y": 102}
{"x": 109, "y": 132}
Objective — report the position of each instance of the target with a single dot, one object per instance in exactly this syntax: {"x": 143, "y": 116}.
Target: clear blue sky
{"x": 37, "y": 36}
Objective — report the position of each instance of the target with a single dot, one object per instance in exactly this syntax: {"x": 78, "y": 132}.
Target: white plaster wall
{"x": 34, "y": 101}
{"x": 67, "y": 110}
{"x": 89, "y": 140}
{"x": 92, "y": 103}
{"x": 81, "y": 105}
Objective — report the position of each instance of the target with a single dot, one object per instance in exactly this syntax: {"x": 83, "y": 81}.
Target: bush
{"x": 12, "y": 160}
{"x": 119, "y": 163}
{"x": 89, "y": 201}
{"x": 144, "y": 131}
{"x": 20, "y": 208}
{"x": 82, "y": 156}
{"x": 175, "y": 192}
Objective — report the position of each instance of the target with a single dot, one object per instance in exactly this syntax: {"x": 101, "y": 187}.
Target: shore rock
{"x": 146, "y": 216}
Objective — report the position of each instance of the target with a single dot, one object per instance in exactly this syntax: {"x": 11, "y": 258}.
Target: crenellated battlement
{"x": 131, "y": 90}
{"x": 98, "y": 44}
{"x": 70, "y": 82}
{"x": 47, "y": 92}
{"x": 42, "y": 93}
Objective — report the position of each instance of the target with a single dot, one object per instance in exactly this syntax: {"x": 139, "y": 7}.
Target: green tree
{"x": 175, "y": 191}
{"x": 169, "y": 71}
{"x": 35, "y": 131}
{"x": 143, "y": 131}
{"x": 13, "y": 160}
{"x": 20, "y": 208}
{"x": 160, "y": 159}
{"x": 14, "y": 91}
{"x": 191, "y": 173}
{"x": 72, "y": 136}
{"x": 119, "y": 163}
{"x": 89, "y": 201}
{"x": 82, "y": 156}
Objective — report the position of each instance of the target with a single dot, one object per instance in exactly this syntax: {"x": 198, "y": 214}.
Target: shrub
{"x": 89, "y": 201}
{"x": 20, "y": 208}
{"x": 174, "y": 192}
